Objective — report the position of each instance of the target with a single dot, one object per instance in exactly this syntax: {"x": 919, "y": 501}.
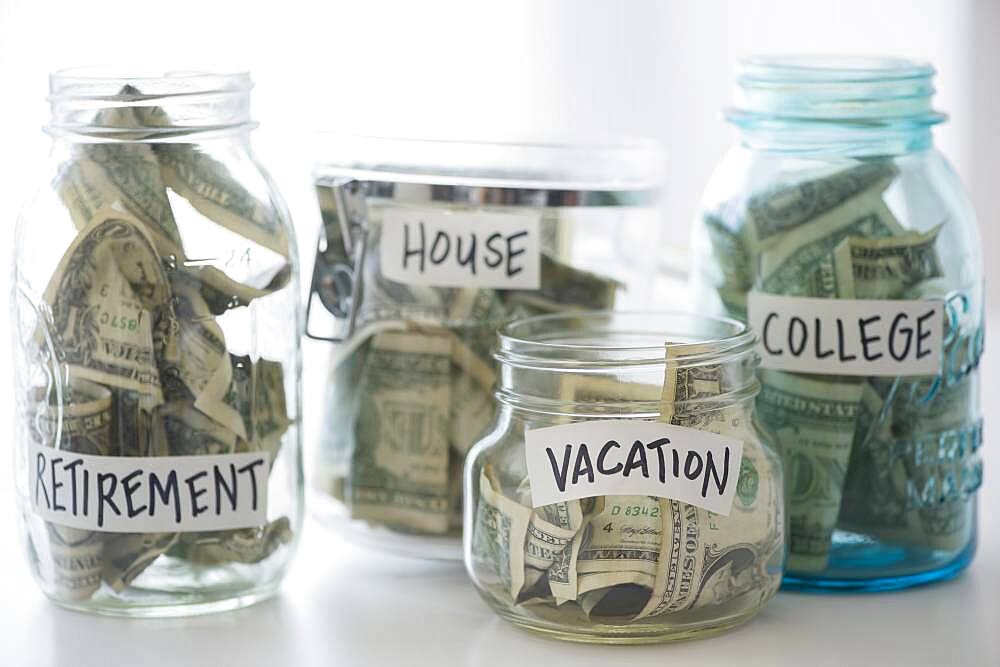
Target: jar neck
{"x": 601, "y": 365}
{"x": 838, "y": 105}
{"x": 88, "y": 106}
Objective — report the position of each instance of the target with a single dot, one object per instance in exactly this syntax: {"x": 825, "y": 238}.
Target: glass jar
{"x": 426, "y": 247}
{"x": 581, "y": 520}
{"x": 156, "y": 318}
{"x": 846, "y": 239}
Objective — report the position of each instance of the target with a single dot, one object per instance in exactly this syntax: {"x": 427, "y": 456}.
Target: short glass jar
{"x": 156, "y": 320}
{"x": 853, "y": 243}
{"x": 613, "y": 559}
{"x": 426, "y": 247}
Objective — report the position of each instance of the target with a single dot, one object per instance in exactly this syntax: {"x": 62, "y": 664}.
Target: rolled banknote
{"x": 499, "y": 534}
{"x": 706, "y": 559}
{"x": 814, "y": 422}
{"x": 399, "y": 471}
{"x": 111, "y": 306}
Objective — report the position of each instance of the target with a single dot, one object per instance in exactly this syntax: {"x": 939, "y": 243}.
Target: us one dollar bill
{"x": 848, "y": 443}
{"x": 418, "y": 356}
{"x": 136, "y": 325}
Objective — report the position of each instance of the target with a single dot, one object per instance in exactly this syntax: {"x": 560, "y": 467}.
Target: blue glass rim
{"x": 812, "y": 68}
{"x": 850, "y": 91}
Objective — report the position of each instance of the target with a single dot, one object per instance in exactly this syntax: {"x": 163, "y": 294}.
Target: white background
{"x": 523, "y": 68}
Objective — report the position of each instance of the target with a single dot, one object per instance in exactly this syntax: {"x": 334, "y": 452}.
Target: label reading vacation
{"x": 872, "y": 337}
{"x": 626, "y": 457}
{"x": 149, "y": 494}
{"x": 461, "y": 249}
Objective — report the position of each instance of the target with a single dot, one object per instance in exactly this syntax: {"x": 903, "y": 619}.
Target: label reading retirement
{"x": 149, "y": 494}
{"x": 461, "y": 249}
{"x": 626, "y": 457}
{"x": 873, "y": 337}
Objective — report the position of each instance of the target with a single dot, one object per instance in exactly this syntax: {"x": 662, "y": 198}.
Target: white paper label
{"x": 626, "y": 457}
{"x": 149, "y": 494}
{"x": 872, "y": 337}
{"x": 461, "y": 249}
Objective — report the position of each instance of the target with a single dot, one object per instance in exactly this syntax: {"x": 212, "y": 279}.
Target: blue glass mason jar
{"x": 838, "y": 231}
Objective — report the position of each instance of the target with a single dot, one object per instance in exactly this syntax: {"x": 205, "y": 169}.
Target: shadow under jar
{"x": 624, "y": 493}
{"x": 426, "y": 247}
{"x": 157, "y": 359}
{"x": 844, "y": 237}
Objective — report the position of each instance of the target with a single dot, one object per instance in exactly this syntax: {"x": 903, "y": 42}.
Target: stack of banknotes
{"x": 135, "y": 326}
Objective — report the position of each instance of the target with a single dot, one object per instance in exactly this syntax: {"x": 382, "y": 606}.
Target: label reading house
{"x": 461, "y": 249}
{"x": 872, "y": 337}
{"x": 627, "y": 457}
{"x": 148, "y": 494}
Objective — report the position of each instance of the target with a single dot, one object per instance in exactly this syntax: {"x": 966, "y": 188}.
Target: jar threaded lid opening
{"x": 110, "y": 104}
{"x": 870, "y": 91}
{"x": 622, "y": 338}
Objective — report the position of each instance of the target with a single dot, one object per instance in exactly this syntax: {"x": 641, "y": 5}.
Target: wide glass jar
{"x": 426, "y": 247}
{"x": 156, "y": 320}
{"x": 623, "y": 493}
{"x": 839, "y": 231}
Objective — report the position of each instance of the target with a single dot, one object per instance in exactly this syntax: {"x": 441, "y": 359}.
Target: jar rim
{"x": 631, "y": 374}
{"x": 99, "y": 103}
{"x": 544, "y": 340}
{"x": 89, "y": 80}
{"x": 792, "y": 67}
{"x": 594, "y": 163}
{"x": 868, "y": 97}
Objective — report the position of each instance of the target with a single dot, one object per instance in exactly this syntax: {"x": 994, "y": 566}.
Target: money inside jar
{"x": 133, "y": 322}
{"x": 410, "y": 389}
{"x": 647, "y": 565}
{"x": 869, "y": 455}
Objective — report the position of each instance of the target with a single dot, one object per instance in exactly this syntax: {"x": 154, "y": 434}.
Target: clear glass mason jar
{"x": 855, "y": 246}
{"x": 622, "y": 565}
{"x": 426, "y": 247}
{"x": 157, "y": 357}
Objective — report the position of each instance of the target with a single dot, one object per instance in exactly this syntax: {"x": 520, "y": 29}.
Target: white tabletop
{"x": 345, "y": 606}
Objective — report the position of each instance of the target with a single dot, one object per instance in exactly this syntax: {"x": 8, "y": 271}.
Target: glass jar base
{"x": 171, "y": 605}
{"x": 331, "y": 514}
{"x": 646, "y": 633}
{"x": 880, "y": 569}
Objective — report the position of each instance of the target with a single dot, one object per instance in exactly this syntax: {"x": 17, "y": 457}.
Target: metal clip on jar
{"x": 426, "y": 247}
{"x": 623, "y": 493}
{"x": 843, "y": 236}
{"x": 156, "y": 338}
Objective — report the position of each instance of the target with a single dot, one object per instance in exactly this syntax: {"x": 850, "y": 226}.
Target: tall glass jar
{"x": 426, "y": 247}
{"x": 156, "y": 318}
{"x": 845, "y": 238}
{"x": 623, "y": 493}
